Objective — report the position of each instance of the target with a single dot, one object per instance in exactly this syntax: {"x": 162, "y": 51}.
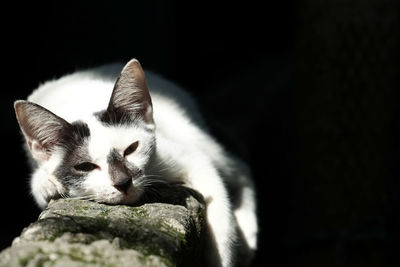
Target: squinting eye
{"x": 85, "y": 167}
{"x": 130, "y": 149}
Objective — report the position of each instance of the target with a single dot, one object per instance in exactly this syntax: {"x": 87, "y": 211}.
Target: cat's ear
{"x": 42, "y": 128}
{"x": 130, "y": 97}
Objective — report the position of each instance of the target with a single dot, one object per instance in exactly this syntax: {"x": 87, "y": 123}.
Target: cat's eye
{"x": 130, "y": 149}
{"x": 85, "y": 167}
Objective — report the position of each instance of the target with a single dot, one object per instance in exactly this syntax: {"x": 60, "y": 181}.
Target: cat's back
{"x": 75, "y": 96}
{"x": 80, "y": 94}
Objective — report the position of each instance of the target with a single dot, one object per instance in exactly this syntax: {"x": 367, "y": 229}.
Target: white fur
{"x": 102, "y": 139}
{"x": 44, "y": 184}
{"x": 182, "y": 143}
{"x": 246, "y": 216}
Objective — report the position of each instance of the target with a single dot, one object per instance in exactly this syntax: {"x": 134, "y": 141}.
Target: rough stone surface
{"x": 84, "y": 233}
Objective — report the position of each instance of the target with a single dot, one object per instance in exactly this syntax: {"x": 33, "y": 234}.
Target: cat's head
{"x": 102, "y": 158}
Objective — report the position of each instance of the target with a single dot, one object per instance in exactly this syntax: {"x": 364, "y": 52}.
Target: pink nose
{"x": 123, "y": 185}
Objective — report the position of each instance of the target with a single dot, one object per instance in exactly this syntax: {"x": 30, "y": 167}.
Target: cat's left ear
{"x": 130, "y": 97}
{"x": 42, "y": 129}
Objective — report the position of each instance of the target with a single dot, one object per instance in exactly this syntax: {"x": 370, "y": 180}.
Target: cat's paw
{"x": 44, "y": 188}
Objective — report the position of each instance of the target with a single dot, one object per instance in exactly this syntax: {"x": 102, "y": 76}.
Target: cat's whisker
{"x": 149, "y": 179}
{"x": 153, "y": 182}
{"x": 162, "y": 162}
{"x": 166, "y": 168}
{"x": 152, "y": 175}
{"x": 165, "y": 164}
{"x": 91, "y": 197}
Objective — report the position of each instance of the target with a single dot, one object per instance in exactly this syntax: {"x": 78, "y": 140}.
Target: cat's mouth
{"x": 128, "y": 196}
{"x": 110, "y": 195}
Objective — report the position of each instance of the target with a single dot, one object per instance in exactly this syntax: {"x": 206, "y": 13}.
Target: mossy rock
{"x": 84, "y": 233}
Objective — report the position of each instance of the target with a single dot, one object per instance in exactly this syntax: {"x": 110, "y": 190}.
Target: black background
{"x": 305, "y": 92}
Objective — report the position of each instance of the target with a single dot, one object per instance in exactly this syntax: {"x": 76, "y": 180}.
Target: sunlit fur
{"x": 175, "y": 146}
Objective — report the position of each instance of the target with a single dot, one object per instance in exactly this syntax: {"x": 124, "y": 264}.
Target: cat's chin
{"x": 123, "y": 199}
{"x": 116, "y": 198}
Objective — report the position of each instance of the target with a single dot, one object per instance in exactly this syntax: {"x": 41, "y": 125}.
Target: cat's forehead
{"x": 104, "y": 138}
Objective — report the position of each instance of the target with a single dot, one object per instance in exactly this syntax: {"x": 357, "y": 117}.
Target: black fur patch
{"x": 112, "y": 117}
{"x": 72, "y": 141}
{"x": 109, "y": 117}
{"x": 75, "y": 135}
{"x": 119, "y": 168}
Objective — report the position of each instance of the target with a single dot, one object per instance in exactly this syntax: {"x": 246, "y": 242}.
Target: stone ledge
{"x": 84, "y": 233}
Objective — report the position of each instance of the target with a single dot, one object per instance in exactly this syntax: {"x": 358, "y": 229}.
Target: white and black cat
{"x": 94, "y": 138}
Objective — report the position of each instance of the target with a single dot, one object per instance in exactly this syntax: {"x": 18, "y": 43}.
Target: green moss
{"x": 39, "y": 261}
{"x": 172, "y": 232}
{"x": 24, "y": 261}
{"x": 81, "y": 210}
{"x": 105, "y": 212}
{"x": 97, "y": 254}
{"x": 137, "y": 228}
{"x": 100, "y": 223}
{"x": 140, "y": 212}
{"x": 76, "y": 254}
{"x": 148, "y": 260}
{"x": 144, "y": 259}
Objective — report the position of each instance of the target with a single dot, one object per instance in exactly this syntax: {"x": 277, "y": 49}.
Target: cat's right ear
{"x": 130, "y": 98}
{"x": 42, "y": 128}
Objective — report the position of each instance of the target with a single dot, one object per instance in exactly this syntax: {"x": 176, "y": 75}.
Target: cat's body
{"x": 107, "y": 144}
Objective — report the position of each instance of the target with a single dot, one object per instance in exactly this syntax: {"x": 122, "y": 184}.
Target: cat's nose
{"x": 123, "y": 184}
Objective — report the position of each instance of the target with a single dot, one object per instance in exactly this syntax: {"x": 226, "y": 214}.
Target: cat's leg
{"x": 245, "y": 214}
{"x": 238, "y": 179}
{"x": 44, "y": 186}
{"x": 205, "y": 179}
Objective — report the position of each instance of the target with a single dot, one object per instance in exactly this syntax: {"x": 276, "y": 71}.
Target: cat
{"x": 103, "y": 134}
